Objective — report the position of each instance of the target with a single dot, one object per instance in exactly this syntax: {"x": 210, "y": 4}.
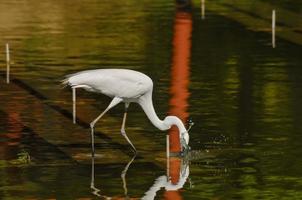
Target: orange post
{"x": 179, "y": 91}
{"x": 180, "y": 73}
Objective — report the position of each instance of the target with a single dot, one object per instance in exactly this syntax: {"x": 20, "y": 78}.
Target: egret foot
{"x": 128, "y": 140}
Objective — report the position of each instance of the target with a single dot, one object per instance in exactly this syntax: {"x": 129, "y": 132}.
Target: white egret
{"x": 125, "y": 86}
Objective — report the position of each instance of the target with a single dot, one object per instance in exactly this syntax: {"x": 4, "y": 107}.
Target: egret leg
{"x": 123, "y": 132}
{"x": 95, "y": 190}
{"x": 123, "y": 176}
{"x": 113, "y": 103}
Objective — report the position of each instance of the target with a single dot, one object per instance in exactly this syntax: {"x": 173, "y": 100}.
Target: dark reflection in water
{"x": 243, "y": 96}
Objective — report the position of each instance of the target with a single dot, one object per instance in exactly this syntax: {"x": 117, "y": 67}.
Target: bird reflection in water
{"x": 177, "y": 176}
{"x": 97, "y": 192}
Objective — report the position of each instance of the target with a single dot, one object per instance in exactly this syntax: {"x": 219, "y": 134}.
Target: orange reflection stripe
{"x": 180, "y": 73}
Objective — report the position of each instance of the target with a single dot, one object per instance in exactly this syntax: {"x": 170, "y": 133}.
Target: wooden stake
{"x": 74, "y": 104}
{"x": 202, "y": 9}
{"x": 7, "y": 63}
{"x": 168, "y": 156}
{"x": 274, "y": 29}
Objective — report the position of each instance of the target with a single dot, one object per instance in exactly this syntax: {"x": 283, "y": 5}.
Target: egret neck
{"x": 145, "y": 102}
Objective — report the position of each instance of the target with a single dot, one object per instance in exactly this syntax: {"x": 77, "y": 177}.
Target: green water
{"x": 243, "y": 95}
{"x": 288, "y": 4}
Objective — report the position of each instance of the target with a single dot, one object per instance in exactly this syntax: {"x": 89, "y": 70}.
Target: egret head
{"x": 183, "y": 133}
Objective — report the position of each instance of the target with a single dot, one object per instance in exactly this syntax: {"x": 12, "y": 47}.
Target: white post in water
{"x": 74, "y": 104}
{"x": 7, "y": 63}
{"x": 274, "y": 29}
{"x": 168, "y": 146}
{"x": 202, "y": 9}
{"x": 168, "y": 156}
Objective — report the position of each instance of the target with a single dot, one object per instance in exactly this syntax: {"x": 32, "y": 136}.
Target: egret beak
{"x": 191, "y": 123}
{"x": 185, "y": 147}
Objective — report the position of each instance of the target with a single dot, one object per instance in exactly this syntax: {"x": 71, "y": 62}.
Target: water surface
{"x": 243, "y": 95}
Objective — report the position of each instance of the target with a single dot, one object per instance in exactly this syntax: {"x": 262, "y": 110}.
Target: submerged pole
{"x": 274, "y": 28}
{"x": 168, "y": 146}
{"x": 7, "y": 63}
{"x": 74, "y": 104}
{"x": 168, "y": 156}
{"x": 202, "y": 9}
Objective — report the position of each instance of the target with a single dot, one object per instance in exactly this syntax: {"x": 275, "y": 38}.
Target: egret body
{"x": 125, "y": 86}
